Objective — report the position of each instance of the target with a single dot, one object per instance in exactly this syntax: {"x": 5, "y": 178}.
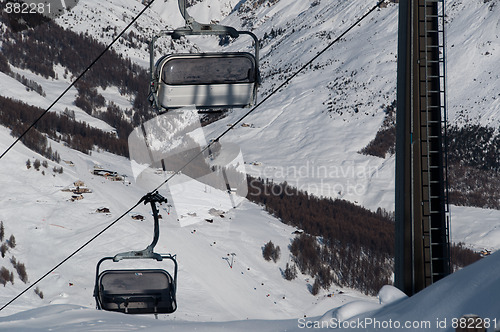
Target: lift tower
{"x": 422, "y": 221}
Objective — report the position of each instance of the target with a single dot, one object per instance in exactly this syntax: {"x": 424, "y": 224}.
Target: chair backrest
{"x": 142, "y": 291}
{"x": 207, "y": 80}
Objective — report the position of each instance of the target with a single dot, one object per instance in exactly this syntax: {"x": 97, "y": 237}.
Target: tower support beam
{"x": 422, "y": 230}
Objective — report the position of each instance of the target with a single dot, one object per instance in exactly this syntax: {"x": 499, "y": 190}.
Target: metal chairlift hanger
{"x": 205, "y": 80}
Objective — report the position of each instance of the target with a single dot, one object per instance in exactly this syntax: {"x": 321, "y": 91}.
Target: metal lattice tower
{"x": 422, "y": 220}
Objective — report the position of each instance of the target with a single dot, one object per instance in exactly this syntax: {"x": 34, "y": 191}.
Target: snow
{"x": 471, "y": 290}
{"x": 390, "y": 294}
{"x": 51, "y": 227}
{"x": 473, "y": 50}
{"x": 349, "y": 310}
{"x": 477, "y": 228}
{"x": 52, "y": 88}
{"x": 294, "y": 138}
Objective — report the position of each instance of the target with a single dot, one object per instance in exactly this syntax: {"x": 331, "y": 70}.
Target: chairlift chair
{"x": 138, "y": 291}
{"x": 205, "y": 80}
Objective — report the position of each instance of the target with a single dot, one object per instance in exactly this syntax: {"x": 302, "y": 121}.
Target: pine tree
{"x": 4, "y": 276}
{"x": 21, "y": 271}
{"x": 12, "y": 241}
{"x": 3, "y": 249}
{"x": 39, "y": 292}
{"x": 315, "y": 287}
{"x": 275, "y": 255}
{"x": 290, "y": 272}
{"x": 268, "y": 250}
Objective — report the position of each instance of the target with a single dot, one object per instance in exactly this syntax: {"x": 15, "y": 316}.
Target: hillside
{"x": 310, "y": 135}
{"x": 341, "y": 99}
{"x": 252, "y": 288}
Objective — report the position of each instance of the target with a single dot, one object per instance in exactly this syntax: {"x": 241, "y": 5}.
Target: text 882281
{"x": 27, "y": 8}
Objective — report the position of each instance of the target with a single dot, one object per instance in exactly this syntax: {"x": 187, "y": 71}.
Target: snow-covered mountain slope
{"x": 104, "y": 20}
{"x": 318, "y": 123}
{"x": 308, "y": 134}
{"x": 476, "y": 227}
{"x": 53, "y": 88}
{"x": 48, "y": 226}
{"x": 473, "y": 54}
{"x": 437, "y": 308}
{"x": 312, "y": 130}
